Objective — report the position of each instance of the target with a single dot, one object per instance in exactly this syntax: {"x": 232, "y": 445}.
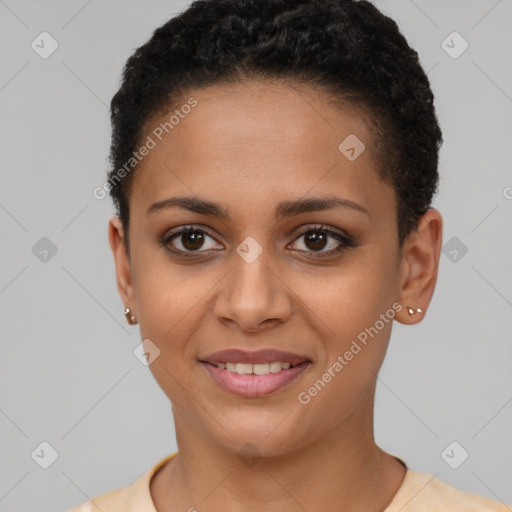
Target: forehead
{"x": 257, "y": 138}
{"x": 293, "y": 116}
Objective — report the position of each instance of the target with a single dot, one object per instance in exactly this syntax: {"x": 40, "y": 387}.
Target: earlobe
{"x": 419, "y": 265}
{"x": 121, "y": 260}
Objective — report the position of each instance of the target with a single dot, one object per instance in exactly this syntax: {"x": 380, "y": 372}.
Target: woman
{"x": 273, "y": 168}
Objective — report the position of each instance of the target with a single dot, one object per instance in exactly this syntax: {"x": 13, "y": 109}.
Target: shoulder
{"x": 421, "y": 492}
{"x": 113, "y": 501}
{"x": 135, "y": 497}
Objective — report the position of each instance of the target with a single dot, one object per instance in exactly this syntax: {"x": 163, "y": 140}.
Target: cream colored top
{"x": 419, "y": 492}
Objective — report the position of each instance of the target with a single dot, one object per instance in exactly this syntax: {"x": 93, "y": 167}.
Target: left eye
{"x": 322, "y": 240}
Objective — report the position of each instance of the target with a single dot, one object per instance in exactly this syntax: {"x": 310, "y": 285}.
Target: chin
{"x": 256, "y": 438}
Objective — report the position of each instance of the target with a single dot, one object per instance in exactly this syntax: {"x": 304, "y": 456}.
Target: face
{"x": 264, "y": 267}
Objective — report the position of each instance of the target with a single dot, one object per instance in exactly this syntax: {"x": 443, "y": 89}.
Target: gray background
{"x": 68, "y": 375}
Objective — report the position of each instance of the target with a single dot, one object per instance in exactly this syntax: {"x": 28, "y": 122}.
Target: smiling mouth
{"x": 255, "y": 380}
{"x": 257, "y": 373}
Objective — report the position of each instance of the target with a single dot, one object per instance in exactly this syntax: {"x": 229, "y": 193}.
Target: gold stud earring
{"x": 412, "y": 312}
{"x": 129, "y": 317}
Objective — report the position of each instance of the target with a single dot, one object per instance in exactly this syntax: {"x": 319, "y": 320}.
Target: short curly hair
{"x": 347, "y": 48}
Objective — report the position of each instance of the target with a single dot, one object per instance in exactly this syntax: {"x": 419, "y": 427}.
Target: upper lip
{"x": 254, "y": 357}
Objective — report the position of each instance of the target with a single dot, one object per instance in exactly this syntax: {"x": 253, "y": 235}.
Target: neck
{"x": 340, "y": 471}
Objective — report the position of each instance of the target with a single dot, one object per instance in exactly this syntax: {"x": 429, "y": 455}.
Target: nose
{"x": 254, "y": 296}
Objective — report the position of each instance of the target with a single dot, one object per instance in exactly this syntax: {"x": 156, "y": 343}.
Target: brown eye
{"x": 190, "y": 239}
{"x": 315, "y": 240}
{"x": 323, "y": 241}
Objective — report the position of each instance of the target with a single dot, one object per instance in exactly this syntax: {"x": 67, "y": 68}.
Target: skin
{"x": 248, "y": 147}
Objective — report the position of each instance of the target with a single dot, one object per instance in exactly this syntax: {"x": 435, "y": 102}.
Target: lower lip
{"x": 254, "y": 386}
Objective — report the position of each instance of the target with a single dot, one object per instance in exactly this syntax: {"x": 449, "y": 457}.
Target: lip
{"x": 255, "y": 386}
{"x": 254, "y": 357}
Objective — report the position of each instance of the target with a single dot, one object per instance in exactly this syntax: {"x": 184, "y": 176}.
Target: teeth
{"x": 275, "y": 367}
{"x": 243, "y": 368}
{"x": 262, "y": 368}
{"x": 256, "y": 369}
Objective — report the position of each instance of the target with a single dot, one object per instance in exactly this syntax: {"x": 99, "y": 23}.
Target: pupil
{"x": 192, "y": 240}
{"x": 317, "y": 240}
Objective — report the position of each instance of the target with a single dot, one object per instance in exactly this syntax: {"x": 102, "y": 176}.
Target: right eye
{"x": 189, "y": 239}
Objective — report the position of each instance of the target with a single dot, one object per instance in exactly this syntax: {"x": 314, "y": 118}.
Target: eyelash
{"x": 345, "y": 240}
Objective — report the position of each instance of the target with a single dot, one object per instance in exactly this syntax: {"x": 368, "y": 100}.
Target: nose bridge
{"x": 251, "y": 282}
{"x": 253, "y": 294}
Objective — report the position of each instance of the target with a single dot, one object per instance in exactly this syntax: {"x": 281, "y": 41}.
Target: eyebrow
{"x": 283, "y": 209}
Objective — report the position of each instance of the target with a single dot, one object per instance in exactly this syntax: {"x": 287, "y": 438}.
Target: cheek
{"x": 359, "y": 316}
{"x": 169, "y": 300}
{"x": 354, "y": 298}
{"x": 170, "y": 307}
{"x": 356, "y": 309}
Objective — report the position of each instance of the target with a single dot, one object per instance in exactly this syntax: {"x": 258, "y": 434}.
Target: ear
{"x": 418, "y": 272}
{"x": 121, "y": 261}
